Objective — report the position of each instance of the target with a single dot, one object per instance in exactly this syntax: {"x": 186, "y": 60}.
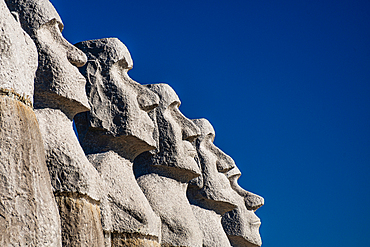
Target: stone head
{"x": 242, "y": 224}
{"x": 212, "y": 189}
{"x": 58, "y": 83}
{"x": 175, "y": 132}
{"x": 118, "y": 119}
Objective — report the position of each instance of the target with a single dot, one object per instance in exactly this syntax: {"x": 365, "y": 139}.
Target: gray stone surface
{"x": 28, "y": 212}
{"x": 210, "y": 225}
{"x": 113, "y": 133}
{"x": 145, "y": 175}
{"x": 163, "y": 174}
{"x": 123, "y": 206}
{"x": 59, "y": 95}
{"x": 18, "y": 56}
{"x": 211, "y": 194}
{"x": 214, "y": 191}
{"x": 118, "y": 119}
{"x": 242, "y": 224}
{"x": 69, "y": 169}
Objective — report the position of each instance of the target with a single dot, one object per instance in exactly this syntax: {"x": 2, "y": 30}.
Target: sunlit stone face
{"x": 58, "y": 82}
{"x": 175, "y": 134}
{"x": 119, "y": 118}
{"x": 213, "y": 190}
{"x": 242, "y": 224}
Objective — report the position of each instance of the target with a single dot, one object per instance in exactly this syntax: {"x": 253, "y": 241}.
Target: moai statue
{"x": 211, "y": 195}
{"x": 28, "y": 212}
{"x": 241, "y": 224}
{"x": 112, "y": 134}
{"x": 164, "y": 174}
{"x": 59, "y": 95}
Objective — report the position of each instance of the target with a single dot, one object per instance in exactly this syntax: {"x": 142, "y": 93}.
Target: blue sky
{"x": 286, "y": 85}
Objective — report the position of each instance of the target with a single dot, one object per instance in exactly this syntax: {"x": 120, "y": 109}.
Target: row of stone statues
{"x": 139, "y": 173}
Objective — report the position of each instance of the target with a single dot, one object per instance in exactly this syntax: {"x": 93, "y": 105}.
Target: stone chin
{"x": 253, "y": 224}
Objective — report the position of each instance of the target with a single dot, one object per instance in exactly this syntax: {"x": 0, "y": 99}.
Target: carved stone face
{"x": 242, "y": 224}
{"x": 58, "y": 82}
{"x": 175, "y": 134}
{"x": 119, "y": 117}
{"x": 213, "y": 189}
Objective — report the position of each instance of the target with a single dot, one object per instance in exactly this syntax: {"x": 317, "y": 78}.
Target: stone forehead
{"x": 166, "y": 94}
{"x": 108, "y": 51}
{"x": 205, "y": 126}
{"x": 34, "y": 13}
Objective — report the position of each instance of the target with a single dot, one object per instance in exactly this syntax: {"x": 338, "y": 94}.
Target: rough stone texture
{"x": 252, "y": 201}
{"x": 118, "y": 119}
{"x": 28, "y": 212}
{"x": 242, "y": 224}
{"x": 69, "y": 169}
{"x": 212, "y": 195}
{"x": 113, "y": 133}
{"x": 18, "y": 56}
{"x": 81, "y": 218}
{"x": 59, "y": 95}
{"x": 124, "y": 207}
{"x": 124, "y": 193}
{"x": 71, "y": 172}
{"x": 214, "y": 191}
{"x": 210, "y": 225}
{"x": 163, "y": 175}
{"x": 58, "y": 83}
{"x": 33, "y": 13}
{"x": 133, "y": 240}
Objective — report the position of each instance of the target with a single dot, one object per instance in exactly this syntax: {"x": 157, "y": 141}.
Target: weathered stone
{"x": 72, "y": 176}
{"x": 59, "y": 95}
{"x": 210, "y": 225}
{"x": 113, "y": 133}
{"x": 81, "y": 220}
{"x": 124, "y": 207}
{"x": 28, "y": 212}
{"x": 163, "y": 175}
{"x": 58, "y": 83}
{"x": 242, "y": 224}
{"x": 252, "y": 201}
{"x": 133, "y": 240}
{"x": 118, "y": 119}
{"x": 211, "y": 196}
{"x": 18, "y": 56}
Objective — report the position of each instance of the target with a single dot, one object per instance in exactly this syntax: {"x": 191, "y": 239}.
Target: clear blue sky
{"x": 286, "y": 84}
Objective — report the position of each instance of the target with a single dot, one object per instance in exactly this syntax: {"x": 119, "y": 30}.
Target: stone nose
{"x": 190, "y": 131}
{"x": 252, "y": 201}
{"x": 147, "y": 99}
{"x": 224, "y": 162}
{"x": 75, "y": 56}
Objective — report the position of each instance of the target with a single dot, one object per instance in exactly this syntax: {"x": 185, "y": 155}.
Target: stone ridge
{"x": 25, "y": 99}
{"x": 135, "y": 172}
